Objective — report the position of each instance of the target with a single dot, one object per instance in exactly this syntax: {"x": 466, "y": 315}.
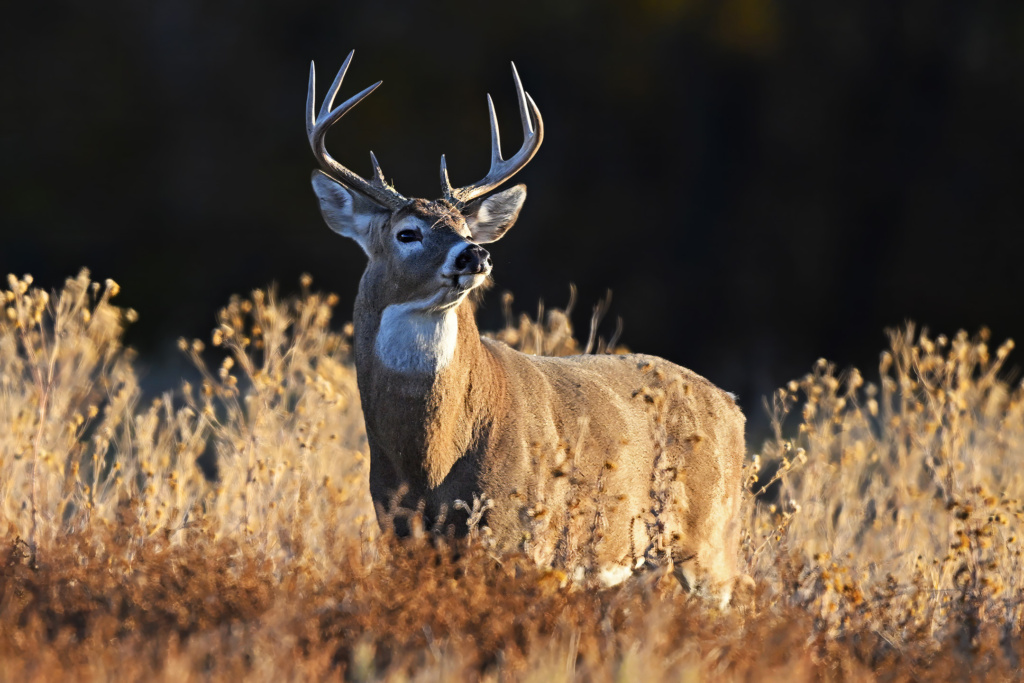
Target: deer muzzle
{"x": 473, "y": 260}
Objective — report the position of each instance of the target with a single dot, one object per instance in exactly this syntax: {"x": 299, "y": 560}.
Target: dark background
{"x": 760, "y": 182}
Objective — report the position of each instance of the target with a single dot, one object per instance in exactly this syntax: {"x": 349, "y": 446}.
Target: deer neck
{"x": 416, "y": 342}
{"x": 427, "y": 386}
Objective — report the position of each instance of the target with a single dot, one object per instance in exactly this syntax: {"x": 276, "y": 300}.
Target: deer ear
{"x": 490, "y": 218}
{"x": 346, "y": 212}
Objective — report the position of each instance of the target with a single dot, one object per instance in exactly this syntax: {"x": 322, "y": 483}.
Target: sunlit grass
{"x": 882, "y": 525}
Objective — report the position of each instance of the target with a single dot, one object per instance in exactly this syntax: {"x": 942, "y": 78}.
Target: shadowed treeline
{"x": 760, "y": 183}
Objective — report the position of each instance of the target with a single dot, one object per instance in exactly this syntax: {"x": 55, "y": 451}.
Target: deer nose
{"x": 473, "y": 259}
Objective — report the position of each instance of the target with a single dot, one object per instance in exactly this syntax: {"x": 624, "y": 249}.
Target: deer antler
{"x": 501, "y": 170}
{"x": 317, "y": 125}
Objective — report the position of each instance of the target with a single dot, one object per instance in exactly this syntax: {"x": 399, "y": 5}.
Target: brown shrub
{"x": 882, "y": 530}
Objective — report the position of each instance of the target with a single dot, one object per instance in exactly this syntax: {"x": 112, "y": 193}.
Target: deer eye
{"x": 409, "y": 236}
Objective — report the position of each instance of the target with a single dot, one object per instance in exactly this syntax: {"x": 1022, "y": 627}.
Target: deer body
{"x": 594, "y": 457}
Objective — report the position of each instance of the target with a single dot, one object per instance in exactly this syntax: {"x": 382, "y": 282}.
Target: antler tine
{"x": 501, "y": 170}
{"x": 536, "y": 115}
{"x": 310, "y": 101}
{"x": 332, "y": 92}
{"x": 495, "y": 133}
{"x": 446, "y": 185}
{"x": 521, "y": 97}
{"x": 378, "y": 174}
{"x": 317, "y": 125}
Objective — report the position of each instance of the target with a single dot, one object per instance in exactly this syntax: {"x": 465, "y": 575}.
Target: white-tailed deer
{"x": 630, "y": 455}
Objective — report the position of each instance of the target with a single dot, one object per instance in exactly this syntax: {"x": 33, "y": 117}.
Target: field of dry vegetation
{"x": 882, "y": 527}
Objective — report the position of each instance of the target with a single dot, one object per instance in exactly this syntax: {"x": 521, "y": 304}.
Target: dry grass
{"x": 884, "y": 537}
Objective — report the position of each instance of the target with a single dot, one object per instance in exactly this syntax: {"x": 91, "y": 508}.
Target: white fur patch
{"x": 483, "y": 214}
{"x": 449, "y": 269}
{"x": 614, "y": 574}
{"x": 415, "y": 338}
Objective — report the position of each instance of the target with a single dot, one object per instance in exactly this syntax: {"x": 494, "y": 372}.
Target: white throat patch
{"x": 414, "y": 339}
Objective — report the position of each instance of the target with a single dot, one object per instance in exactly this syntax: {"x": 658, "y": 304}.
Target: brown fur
{"x": 594, "y": 460}
{"x": 512, "y": 427}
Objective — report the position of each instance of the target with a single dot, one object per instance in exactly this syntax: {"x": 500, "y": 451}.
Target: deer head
{"x": 423, "y": 254}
